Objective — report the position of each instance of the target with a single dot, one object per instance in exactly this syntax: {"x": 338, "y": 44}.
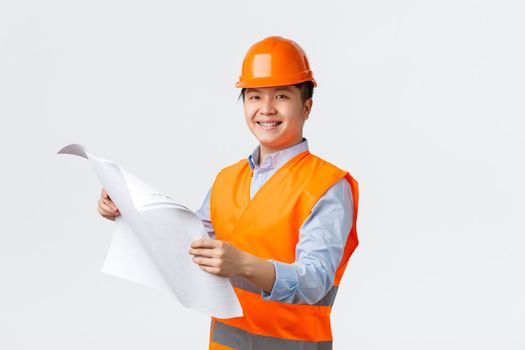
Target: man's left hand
{"x": 218, "y": 257}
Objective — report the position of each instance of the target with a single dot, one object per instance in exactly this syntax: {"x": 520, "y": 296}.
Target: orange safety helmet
{"x": 274, "y": 61}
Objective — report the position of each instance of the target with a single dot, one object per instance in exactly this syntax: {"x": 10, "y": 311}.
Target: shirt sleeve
{"x": 322, "y": 239}
{"x": 203, "y": 213}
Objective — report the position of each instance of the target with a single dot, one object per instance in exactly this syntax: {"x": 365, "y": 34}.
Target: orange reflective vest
{"x": 268, "y": 226}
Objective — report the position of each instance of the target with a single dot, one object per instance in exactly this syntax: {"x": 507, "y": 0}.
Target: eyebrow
{"x": 277, "y": 89}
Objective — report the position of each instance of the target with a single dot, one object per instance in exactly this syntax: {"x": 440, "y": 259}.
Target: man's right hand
{"x": 106, "y": 207}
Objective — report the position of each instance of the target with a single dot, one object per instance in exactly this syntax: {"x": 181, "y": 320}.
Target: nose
{"x": 267, "y": 107}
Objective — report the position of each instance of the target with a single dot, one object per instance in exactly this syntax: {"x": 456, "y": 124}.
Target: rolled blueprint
{"x": 151, "y": 239}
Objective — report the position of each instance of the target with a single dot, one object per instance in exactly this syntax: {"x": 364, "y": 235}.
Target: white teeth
{"x": 268, "y": 124}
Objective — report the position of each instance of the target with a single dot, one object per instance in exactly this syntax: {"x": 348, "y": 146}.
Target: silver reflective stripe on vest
{"x": 237, "y": 338}
{"x": 244, "y": 284}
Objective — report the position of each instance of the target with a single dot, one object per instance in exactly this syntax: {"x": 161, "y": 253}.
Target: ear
{"x": 307, "y": 108}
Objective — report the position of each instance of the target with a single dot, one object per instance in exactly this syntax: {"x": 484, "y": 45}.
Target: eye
{"x": 280, "y": 97}
{"x": 253, "y": 97}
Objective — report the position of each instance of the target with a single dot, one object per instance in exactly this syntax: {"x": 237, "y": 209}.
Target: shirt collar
{"x": 276, "y": 159}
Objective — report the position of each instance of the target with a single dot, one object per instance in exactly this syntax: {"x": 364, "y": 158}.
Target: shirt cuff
{"x": 285, "y": 282}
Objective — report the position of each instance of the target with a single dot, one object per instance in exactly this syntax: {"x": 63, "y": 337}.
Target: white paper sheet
{"x": 151, "y": 240}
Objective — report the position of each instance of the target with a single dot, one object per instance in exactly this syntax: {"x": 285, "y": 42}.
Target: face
{"x": 275, "y": 116}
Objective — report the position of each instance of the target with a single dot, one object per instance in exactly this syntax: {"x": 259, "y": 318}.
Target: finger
{"x": 205, "y": 243}
{"x": 112, "y": 218}
{"x": 104, "y": 209}
{"x": 103, "y": 214}
{"x": 206, "y": 252}
{"x": 212, "y": 270}
{"x": 105, "y": 195}
{"x": 110, "y": 204}
{"x": 202, "y": 261}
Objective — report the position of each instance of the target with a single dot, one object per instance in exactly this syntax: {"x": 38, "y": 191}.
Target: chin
{"x": 266, "y": 141}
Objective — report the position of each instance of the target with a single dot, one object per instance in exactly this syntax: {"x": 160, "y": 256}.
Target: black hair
{"x": 306, "y": 87}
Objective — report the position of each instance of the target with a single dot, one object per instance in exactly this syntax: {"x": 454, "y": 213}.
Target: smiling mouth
{"x": 269, "y": 124}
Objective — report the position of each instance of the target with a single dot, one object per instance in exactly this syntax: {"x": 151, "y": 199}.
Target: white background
{"x": 422, "y": 101}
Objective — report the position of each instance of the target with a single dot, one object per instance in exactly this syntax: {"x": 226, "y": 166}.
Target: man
{"x": 282, "y": 222}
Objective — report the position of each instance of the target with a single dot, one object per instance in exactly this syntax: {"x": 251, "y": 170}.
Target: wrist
{"x": 248, "y": 265}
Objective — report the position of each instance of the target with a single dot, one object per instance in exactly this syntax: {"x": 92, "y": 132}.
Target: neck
{"x": 264, "y": 150}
